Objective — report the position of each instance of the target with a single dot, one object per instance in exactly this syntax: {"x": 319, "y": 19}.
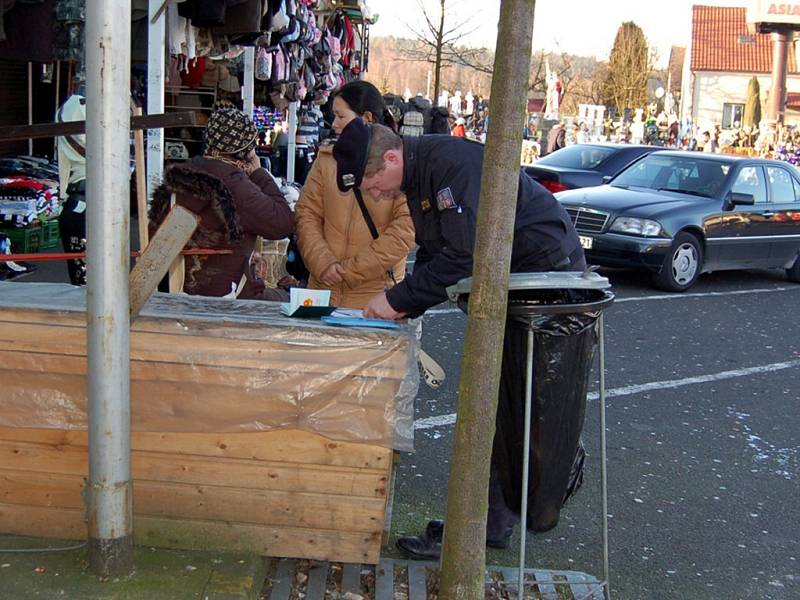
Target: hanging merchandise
{"x": 263, "y": 69}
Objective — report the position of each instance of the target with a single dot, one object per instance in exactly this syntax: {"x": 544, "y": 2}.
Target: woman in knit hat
{"x": 236, "y": 201}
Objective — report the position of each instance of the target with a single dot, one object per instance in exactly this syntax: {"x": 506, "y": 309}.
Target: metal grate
{"x": 587, "y": 220}
{"x": 393, "y": 579}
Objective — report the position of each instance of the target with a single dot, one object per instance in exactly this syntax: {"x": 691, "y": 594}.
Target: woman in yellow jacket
{"x": 332, "y": 234}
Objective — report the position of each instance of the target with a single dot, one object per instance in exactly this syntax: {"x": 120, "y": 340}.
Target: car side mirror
{"x": 738, "y": 198}
{"x": 607, "y": 178}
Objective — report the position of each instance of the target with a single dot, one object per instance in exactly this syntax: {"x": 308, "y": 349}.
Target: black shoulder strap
{"x": 367, "y": 217}
{"x": 370, "y": 225}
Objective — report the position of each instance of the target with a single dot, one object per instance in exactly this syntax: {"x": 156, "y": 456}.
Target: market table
{"x": 250, "y": 431}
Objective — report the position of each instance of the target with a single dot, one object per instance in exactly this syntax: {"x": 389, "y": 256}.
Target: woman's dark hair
{"x": 361, "y": 96}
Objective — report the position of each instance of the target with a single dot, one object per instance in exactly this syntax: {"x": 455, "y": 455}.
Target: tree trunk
{"x": 464, "y": 550}
{"x": 437, "y": 70}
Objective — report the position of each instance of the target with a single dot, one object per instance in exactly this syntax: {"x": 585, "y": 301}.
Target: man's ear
{"x": 391, "y": 156}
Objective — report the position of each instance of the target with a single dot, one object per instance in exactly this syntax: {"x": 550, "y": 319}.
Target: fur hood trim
{"x": 183, "y": 180}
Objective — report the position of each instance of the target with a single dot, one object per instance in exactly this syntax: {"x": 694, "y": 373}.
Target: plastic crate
{"x": 50, "y": 235}
{"x": 25, "y": 240}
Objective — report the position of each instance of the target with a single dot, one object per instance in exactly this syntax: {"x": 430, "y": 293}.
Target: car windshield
{"x": 578, "y": 156}
{"x": 688, "y": 174}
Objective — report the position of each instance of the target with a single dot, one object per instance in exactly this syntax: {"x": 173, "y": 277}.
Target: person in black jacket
{"x": 441, "y": 178}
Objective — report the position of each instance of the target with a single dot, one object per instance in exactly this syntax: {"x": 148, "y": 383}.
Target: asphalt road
{"x": 703, "y": 390}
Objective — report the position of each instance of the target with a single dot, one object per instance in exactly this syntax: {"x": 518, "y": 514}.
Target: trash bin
{"x": 561, "y": 310}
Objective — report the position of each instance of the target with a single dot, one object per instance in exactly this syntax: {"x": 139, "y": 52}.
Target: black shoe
{"x": 429, "y": 543}
{"x": 502, "y": 542}
{"x": 425, "y": 545}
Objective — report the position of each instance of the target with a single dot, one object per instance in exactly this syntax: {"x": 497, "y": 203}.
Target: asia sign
{"x": 761, "y": 11}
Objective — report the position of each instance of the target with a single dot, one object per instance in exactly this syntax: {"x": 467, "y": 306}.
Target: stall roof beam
{"x": 45, "y": 130}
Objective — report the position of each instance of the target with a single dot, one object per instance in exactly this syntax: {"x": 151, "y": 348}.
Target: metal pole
{"x": 780, "y": 58}
{"x": 526, "y": 450}
{"x": 156, "y": 52}
{"x": 248, "y": 85}
{"x": 603, "y": 456}
{"x": 110, "y": 491}
{"x": 30, "y": 104}
{"x": 291, "y": 148}
{"x": 58, "y": 103}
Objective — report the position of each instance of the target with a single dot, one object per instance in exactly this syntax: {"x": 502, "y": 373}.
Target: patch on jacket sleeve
{"x": 445, "y": 200}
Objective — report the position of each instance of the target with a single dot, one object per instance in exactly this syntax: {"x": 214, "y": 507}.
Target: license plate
{"x": 586, "y": 242}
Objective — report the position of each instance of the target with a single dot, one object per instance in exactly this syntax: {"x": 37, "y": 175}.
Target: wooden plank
{"x": 387, "y": 520}
{"x": 141, "y": 184}
{"x": 385, "y": 362}
{"x": 283, "y": 580}
{"x": 351, "y": 579}
{"x": 295, "y": 542}
{"x": 158, "y": 406}
{"x": 45, "y": 130}
{"x": 262, "y": 383}
{"x": 384, "y": 580}
{"x": 266, "y": 343}
{"x": 417, "y": 582}
{"x": 315, "y": 390}
{"x": 317, "y": 579}
{"x": 286, "y": 445}
{"x": 245, "y": 474}
{"x": 163, "y": 249}
{"x": 177, "y": 266}
{"x": 219, "y": 503}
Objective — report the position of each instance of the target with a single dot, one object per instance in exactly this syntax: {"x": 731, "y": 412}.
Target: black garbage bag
{"x": 563, "y": 353}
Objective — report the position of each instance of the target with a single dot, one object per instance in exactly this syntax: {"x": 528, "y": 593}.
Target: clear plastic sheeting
{"x": 210, "y": 365}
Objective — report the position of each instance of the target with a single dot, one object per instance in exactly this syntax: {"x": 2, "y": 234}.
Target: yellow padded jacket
{"x": 331, "y": 228}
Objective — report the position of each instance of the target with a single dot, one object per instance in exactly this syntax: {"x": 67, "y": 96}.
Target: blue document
{"x": 360, "y": 322}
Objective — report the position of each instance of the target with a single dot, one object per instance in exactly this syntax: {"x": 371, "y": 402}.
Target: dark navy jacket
{"x": 442, "y": 182}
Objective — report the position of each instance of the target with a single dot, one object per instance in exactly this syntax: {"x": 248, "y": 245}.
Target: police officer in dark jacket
{"x": 441, "y": 178}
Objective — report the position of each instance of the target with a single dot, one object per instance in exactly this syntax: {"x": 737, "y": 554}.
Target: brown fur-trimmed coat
{"x": 233, "y": 209}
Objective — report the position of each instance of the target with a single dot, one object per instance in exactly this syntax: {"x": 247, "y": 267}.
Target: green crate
{"x": 50, "y": 235}
{"x": 24, "y": 240}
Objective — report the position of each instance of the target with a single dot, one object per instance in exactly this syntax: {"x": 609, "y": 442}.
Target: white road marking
{"x": 628, "y": 390}
{"x": 704, "y": 294}
{"x": 447, "y": 311}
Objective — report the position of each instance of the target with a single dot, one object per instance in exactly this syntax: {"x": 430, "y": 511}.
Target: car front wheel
{"x": 682, "y": 265}
{"x": 793, "y": 272}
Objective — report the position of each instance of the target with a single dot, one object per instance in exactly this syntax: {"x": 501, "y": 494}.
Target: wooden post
{"x": 176, "y": 268}
{"x": 141, "y": 183}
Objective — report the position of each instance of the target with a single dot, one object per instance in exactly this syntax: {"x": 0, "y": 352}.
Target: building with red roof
{"x": 723, "y": 55}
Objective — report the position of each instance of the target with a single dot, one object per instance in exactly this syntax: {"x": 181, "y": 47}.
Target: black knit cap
{"x": 350, "y": 153}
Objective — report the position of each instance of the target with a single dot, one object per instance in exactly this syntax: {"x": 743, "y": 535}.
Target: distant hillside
{"x": 391, "y": 73}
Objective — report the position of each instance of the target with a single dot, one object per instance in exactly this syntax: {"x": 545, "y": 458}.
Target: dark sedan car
{"x": 679, "y": 214}
{"x": 585, "y": 165}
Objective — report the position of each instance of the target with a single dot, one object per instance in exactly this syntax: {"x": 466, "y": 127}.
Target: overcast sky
{"x": 583, "y": 27}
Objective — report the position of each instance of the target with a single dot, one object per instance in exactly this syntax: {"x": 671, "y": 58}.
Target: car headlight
{"x": 644, "y": 227}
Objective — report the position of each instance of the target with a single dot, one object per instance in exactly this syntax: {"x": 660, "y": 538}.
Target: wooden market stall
{"x": 251, "y": 431}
